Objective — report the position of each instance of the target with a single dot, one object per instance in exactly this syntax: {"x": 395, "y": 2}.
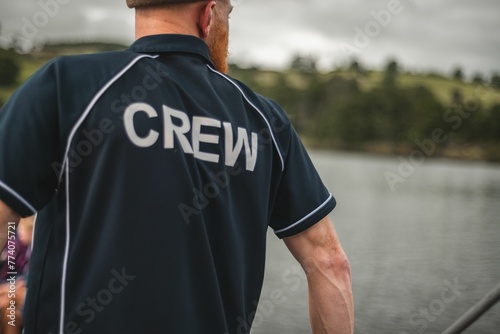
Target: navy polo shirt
{"x": 155, "y": 177}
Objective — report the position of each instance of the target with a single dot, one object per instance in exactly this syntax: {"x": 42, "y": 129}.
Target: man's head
{"x": 148, "y": 3}
{"x": 208, "y": 20}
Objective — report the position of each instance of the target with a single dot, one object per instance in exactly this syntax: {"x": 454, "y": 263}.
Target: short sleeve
{"x": 28, "y": 144}
{"x": 302, "y": 199}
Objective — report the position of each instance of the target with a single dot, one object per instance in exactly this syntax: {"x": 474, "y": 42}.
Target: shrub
{"x": 9, "y": 69}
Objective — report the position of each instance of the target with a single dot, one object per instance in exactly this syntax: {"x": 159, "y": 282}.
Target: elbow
{"x": 343, "y": 266}
{"x": 340, "y": 266}
{"x": 334, "y": 264}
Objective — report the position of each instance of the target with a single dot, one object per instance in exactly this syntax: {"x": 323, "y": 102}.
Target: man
{"x": 156, "y": 176}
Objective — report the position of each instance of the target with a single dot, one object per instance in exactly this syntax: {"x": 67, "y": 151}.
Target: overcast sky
{"x": 421, "y": 34}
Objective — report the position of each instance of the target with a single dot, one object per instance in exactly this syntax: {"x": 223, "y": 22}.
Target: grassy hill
{"x": 441, "y": 86}
{"x": 30, "y": 63}
{"x": 345, "y": 109}
{"x": 351, "y": 109}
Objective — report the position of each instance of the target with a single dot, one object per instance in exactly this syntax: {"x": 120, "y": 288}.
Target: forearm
{"x": 319, "y": 252}
{"x": 331, "y": 305}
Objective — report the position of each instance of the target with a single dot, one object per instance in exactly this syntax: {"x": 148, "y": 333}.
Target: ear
{"x": 206, "y": 18}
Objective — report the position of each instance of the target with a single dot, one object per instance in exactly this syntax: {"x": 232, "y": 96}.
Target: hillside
{"x": 441, "y": 86}
{"x": 387, "y": 112}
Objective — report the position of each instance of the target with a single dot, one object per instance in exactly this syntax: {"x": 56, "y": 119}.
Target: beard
{"x": 219, "y": 46}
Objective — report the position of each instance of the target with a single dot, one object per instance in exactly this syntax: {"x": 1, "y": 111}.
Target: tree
{"x": 458, "y": 74}
{"x": 495, "y": 80}
{"x": 354, "y": 65}
{"x": 392, "y": 67}
{"x": 391, "y": 72}
{"x": 425, "y": 115}
{"x": 336, "y": 116}
{"x": 304, "y": 64}
{"x": 457, "y": 97}
{"x": 9, "y": 69}
{"x": 478, "y": 78}
{"x": 492, "y": 124}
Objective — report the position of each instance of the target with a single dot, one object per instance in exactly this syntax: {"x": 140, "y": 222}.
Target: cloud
{"x": 424, "y": 35}
{"x": 38, "y": 21}
{"x": 432, "y": 35}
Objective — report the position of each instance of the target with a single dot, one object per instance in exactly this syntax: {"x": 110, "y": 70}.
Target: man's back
{"x": 155, "y": 177}
{"x": 170, "y": 174}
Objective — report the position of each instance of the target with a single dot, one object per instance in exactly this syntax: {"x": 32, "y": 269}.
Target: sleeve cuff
{"x": 311, "y": 219}
{"x": 15, "y": 201}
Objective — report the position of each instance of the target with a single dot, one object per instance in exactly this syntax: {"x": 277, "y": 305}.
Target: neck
{"x": 172, "y": 19}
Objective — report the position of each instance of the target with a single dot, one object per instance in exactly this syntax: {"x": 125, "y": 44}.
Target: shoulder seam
{"x": 18, "y": 196}
{"x": 65, "y": 171}
{"x": 306, "y": 217}
{"x": 91, "y": 105}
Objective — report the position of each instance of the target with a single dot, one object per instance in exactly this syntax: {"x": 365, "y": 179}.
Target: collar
{"x": 172, "y": 43}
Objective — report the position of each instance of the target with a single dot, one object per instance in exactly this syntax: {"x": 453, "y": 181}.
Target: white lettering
{"x": 128, "y": 119}
{"x": 199, "y": 137}
{"x": 177, "y": 125}
{"x": 180, "y": 131}
{"x": 232, "y": 153}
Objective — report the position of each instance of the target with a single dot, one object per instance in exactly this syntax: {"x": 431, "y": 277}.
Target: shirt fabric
{"x": 156, "y": 178}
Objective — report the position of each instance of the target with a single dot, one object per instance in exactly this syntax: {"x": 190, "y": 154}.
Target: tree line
{"x": 334, "y": 110}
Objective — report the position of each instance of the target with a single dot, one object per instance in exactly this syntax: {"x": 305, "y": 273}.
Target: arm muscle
{"x": 319, "y": 252}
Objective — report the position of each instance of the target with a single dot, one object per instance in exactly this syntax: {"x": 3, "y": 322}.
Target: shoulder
{"x": 81, "y": 72}
{"x": 66, "y": 85}
{"x": 93, "y": 66}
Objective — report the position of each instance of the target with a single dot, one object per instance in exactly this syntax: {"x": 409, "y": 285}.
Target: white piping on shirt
{"x": 258, "y": 110}
{"x": 66, "y": 255}
{"x": 306, "y": 217}
{"x": 65, "y": 169}
{"x": 91, "y": 105}
{"x": 19, "y": 197}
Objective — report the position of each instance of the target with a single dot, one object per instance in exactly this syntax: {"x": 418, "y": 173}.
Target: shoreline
{"x": 489, "y": 153}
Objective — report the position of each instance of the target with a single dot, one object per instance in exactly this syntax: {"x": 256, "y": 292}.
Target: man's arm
{"x": 320, "y": 254}
{"x": 7, "y": 215}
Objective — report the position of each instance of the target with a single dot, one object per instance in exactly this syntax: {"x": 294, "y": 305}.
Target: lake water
{"x": 421, "y": 253}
